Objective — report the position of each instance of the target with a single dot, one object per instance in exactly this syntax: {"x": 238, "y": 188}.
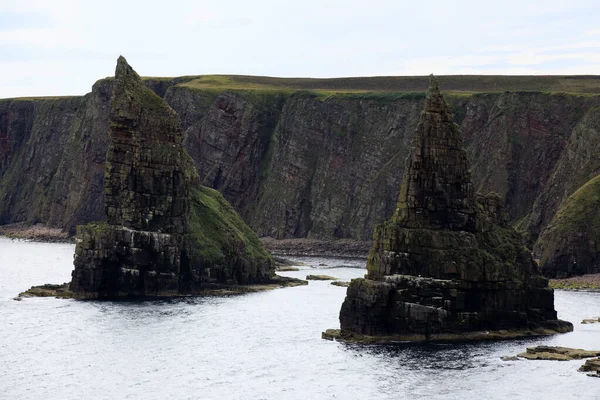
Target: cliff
{"x": 309, "y": 158}
{"x": 165, "y": 234}
{"x": 446, "y": 264}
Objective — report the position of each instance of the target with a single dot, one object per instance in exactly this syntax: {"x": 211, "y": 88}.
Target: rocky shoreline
{"x": 36, "y": 233}
{"x": 588, "y": 283}
{"x": 61, "y": 291}
{"x": 300, "y": 247}
{"x": 343, "y": 248}
{"x": 352, "y": 337}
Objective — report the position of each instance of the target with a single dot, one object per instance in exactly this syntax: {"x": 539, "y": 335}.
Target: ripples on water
{"x": 256, "y": 346}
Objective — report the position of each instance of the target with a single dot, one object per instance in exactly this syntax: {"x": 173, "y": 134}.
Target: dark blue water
{"x": 256, "y": 346}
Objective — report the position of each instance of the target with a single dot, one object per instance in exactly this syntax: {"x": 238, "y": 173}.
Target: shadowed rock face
{"x": 447, "y": 262}
{"x": 165, "y": 234}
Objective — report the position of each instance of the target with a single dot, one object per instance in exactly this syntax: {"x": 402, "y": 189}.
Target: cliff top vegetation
{"x": 589, "y": 84}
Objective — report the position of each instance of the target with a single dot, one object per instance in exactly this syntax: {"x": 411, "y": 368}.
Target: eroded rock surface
{"x": 320, "y": 278}
{"x": 446, "y": 263}
{"x": 557, "y": 353}
{"x": 165, "y": 234}
{"x": 591, "y": 321}
{"x": 592, "y": 366}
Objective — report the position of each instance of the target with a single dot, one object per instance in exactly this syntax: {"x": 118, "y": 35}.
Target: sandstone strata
{"x": 446, "y": 264}
{"x": 165, "y": 234}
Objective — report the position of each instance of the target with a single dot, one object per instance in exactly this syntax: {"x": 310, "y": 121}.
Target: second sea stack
{"x": 446, "y": 266}
{"x": 165, "y": 234}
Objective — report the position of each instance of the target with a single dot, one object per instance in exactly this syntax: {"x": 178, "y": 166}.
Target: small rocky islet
{"x": 558, "y": 353}
{"x": 446, "y": 266}
{"x": 165, "y": 235}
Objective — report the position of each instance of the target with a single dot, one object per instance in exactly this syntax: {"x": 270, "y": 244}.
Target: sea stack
{"x": 165, "y": 234}
{"x": 446, "y": 266}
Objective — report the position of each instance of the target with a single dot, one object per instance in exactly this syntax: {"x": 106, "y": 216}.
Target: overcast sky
{"x": 61, "y": 47}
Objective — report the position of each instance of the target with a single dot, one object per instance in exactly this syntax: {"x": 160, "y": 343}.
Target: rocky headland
{"x": 165, "y": 234}
{"x": 446, "y": 266}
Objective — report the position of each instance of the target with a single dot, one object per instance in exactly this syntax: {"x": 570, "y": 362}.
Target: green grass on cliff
{"x": 450, "y": 83}
{"x": 581, "y": 211}
{"x": 215, "y": 227}
{"x": 578, "y": 219}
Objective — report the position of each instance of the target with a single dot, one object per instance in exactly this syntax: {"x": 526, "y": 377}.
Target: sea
{"x": 263, "y": 345}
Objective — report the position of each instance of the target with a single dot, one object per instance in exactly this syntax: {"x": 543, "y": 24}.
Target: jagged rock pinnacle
{"x": 436, "y": 189}
{"x": 434, "y": 84}
{"x": 435, "y": 101}
{"x": 123, "y": 71}
{"x": 146, "y": 182}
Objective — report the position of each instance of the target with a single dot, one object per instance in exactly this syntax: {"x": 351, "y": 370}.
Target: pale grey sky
{"x": 61, "y": 47}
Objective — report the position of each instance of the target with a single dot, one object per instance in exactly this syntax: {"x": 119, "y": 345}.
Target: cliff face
{"x": 53, "y": 158}
{"x": 309, "y": 166}
{"x": 300, "y": 164}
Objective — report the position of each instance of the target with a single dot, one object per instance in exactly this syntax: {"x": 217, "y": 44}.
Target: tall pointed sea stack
{"x": 447, "y": 265}
{"x": 165, "y": 234}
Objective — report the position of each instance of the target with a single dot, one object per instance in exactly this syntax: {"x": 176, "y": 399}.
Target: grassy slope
{"x": 581, "y": 211}
{"x": 214, "y": 226}
{"x": 579, "y": 215}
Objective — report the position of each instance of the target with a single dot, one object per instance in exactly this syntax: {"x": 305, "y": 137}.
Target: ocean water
{"x": 254, "y": 346}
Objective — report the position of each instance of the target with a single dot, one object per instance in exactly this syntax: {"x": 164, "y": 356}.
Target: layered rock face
{"x": 164, "y": 233}
{"x": 446, "y": 263}
{"x": 299, "y": 164}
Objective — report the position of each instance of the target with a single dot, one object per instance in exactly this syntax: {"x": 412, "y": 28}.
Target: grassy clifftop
{"x": 451, "y": 83}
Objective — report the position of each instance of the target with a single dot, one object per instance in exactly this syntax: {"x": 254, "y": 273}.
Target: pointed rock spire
{"x": 123, "y": 71}
{"x": 147, "y": 184}
{"x": 436, "y": 190}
